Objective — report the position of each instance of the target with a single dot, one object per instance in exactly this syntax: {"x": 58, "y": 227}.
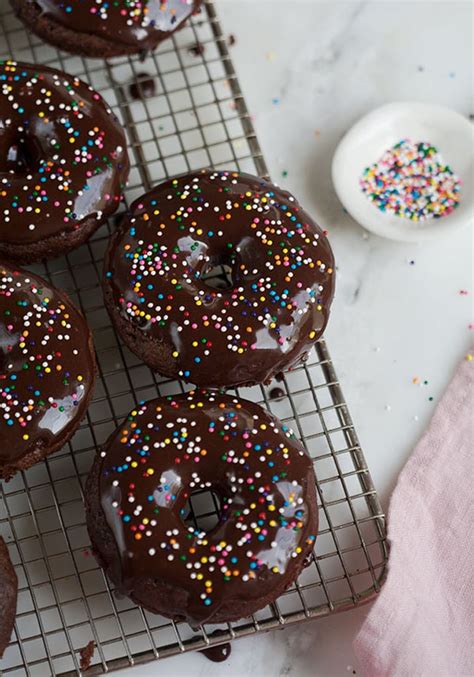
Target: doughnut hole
{"x": 20, "y": 153}
{"x": 203, "y": 510}
{"x": 241, "y": 264}
{"x": 218, "y": 274}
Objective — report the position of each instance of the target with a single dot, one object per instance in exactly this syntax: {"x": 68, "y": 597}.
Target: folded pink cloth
{"x": 423, "y": 621}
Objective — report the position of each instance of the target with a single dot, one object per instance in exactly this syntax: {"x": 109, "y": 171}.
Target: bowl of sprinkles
{"x": 405, "y": 171}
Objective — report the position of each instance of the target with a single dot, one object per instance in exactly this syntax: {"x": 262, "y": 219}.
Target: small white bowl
{"x": 365, "y": 143}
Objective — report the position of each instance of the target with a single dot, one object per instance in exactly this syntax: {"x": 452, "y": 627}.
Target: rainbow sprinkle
{"x": 413, "y": 181}
{"x": 39, "y": 388}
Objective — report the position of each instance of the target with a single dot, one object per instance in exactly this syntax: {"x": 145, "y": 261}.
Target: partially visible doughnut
{"x": 63, "y": 162}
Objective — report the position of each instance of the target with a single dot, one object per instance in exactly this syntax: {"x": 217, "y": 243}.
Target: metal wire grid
{"x": 198, "y": 117}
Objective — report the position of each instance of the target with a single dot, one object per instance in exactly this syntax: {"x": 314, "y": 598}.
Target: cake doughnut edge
{"x": 8, "y": 596}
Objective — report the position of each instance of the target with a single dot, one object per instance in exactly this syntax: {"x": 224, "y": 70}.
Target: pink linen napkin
{"x": 423, "y": 620}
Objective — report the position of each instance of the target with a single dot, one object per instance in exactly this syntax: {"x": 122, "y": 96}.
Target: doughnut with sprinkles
{"x": 63, "y": 162}
{"x": 137, "y": 506}
{"x": 279, "y": 288}
{"x": 104, "y": 29}
{"x": 47, "y": 369}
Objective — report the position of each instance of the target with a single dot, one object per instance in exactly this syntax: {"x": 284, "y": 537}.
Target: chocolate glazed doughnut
{"x": 105, "y": 29}
{"x": 47, "y": 369}
{"x": 63, "y": 162}
{"x": 277, "y": 301}
{"x": 136, "y": 507}
{"x": 8, "y": 596}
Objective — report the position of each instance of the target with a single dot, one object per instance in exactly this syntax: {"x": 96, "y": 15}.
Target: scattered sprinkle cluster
{"x": 42, "y": 379}
{"x": 60, "y": 148}
{"x": 156, "y": 463}
{"x": 281, "y": 269}
{"x": 412, "y": 180}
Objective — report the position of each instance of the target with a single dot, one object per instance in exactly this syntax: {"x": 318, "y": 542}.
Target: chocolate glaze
{"x": 219, "y": 653}
{"x": 282, "y": 271}
{"x": 86, "y": 655}
{"x": 277, "y": 393}
{"x": 170, "y": 448}
{"x": 63, "y": 156}
{"x": 143, "y": 87}
{"x": 142, "y": 24}
{"x": 46, "y": 365}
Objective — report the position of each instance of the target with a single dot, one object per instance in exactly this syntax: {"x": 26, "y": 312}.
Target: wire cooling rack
{"x": 197, "y": 117}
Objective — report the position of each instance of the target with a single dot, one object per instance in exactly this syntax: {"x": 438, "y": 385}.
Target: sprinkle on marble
{"x": 463, "y": 292}
{"x": 412, "y": 180}
{"x": 469, "y": 357}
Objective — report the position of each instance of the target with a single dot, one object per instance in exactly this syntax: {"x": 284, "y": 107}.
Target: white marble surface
{"x": 309, "y": 70}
